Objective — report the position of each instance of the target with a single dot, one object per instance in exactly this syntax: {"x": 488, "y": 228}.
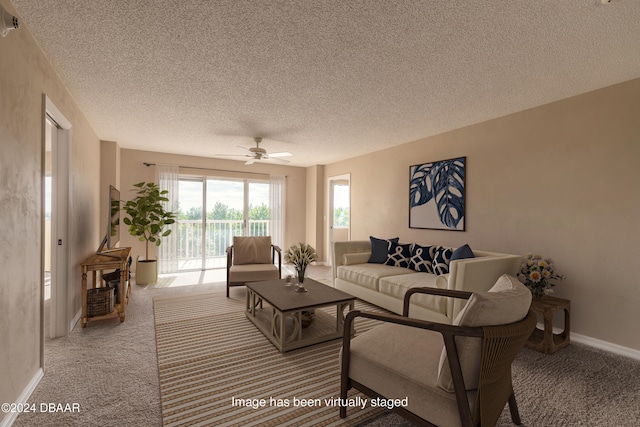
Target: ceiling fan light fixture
{"x": 258, "y": 153}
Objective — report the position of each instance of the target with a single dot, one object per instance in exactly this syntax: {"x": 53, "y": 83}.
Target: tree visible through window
{"x": 341, "y": 206}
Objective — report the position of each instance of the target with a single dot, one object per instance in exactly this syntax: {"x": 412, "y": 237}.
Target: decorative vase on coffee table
{"x": 300, "y": 270}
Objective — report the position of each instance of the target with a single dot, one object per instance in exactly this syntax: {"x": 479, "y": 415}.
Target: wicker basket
{"x": 99, "y": 301}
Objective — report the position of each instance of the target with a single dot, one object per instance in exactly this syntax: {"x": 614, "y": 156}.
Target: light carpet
{"x": 210, "y": 356}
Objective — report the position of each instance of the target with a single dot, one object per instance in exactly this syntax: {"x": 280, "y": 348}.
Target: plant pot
{"x": 146, "y": 271}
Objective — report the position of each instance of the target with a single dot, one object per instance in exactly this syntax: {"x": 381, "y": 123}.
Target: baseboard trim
{"x": 596, "y": 343}
{"x": 75, "y": 320}
{"x": 23, "y": 398}
{"x": 606, "y": 346}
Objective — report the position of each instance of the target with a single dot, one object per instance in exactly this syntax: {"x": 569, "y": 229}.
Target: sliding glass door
{"x": 233, "y": 207}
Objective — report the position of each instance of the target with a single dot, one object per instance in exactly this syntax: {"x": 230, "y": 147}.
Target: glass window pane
{"x": 341, "y": 206}
{"x": 225, "y": 218}
{"x": 258, "y": 209}
{"x": 190, "y": 225}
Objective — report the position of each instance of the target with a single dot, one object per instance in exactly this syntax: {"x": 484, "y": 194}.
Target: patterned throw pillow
{"x": 422, "y": 258}
{"x": 441, "y": 260}
{"x": 399, "y": 255}
{"x": 380, "y": 249}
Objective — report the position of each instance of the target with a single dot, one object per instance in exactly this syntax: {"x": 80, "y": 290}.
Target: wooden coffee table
{"x": 281, "y": 320}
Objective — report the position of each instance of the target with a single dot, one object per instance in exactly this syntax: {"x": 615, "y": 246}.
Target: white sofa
{"x": 385, "y": 285}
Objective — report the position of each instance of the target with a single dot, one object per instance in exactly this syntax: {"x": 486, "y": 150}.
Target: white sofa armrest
{"x": 478, "y": 274}
{"x": 347, "y": 247}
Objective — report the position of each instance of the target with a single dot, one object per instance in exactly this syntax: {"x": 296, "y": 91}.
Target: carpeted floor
{"x": 110, "y": 369}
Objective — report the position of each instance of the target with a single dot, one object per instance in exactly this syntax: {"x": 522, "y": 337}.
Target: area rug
{"x": 216, "y": 368}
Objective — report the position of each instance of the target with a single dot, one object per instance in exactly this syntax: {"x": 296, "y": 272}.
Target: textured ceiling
{"x": 325, "y": 80}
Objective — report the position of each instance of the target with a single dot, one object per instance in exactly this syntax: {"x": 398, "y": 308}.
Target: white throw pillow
{"x": 508, "y": 301}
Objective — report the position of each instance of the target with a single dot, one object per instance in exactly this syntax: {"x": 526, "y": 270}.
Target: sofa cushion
{"x": 506, "y": 302}
{"x": 397, "y": 287}
{"x": 380, "y": 249}
{"x": 368, "y": 275}
{"x": 356, "y": 258}
{"x": 399, "y": 255}
{"x": 441, "y": 259}
{"x": 463, "y": 252}
{"x": 422, "y": 258}
{"x": 252, "y": 250}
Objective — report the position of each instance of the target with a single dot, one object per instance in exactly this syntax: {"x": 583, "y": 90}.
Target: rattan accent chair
{"x": 452, "y": 375}
{"x": 252, "y": 259}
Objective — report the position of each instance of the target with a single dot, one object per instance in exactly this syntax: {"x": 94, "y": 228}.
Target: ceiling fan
{"x": 258, "y": 153}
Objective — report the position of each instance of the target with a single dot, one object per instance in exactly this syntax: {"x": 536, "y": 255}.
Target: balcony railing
{"x": 218, "y": 236}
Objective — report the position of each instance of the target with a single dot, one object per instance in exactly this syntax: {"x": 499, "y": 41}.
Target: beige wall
{"x": 25, "y": 76}
{"x": 314, "y": 235}
{"x": 133, "y": 171}
{"x": 561, "y": 180}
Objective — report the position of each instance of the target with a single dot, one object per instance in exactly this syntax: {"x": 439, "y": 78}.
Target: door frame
{"x": 60, "y": 323}
{"x": 331, "y": 182}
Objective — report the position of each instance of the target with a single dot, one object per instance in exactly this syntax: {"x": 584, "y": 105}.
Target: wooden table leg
{"x": 83, "y": 319}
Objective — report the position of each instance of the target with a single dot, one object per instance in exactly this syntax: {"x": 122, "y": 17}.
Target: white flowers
{"x": 536, "y": 273}
{"x": 300, "y": 255}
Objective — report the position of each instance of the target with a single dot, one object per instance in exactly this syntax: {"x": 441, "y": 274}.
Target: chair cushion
{"x": 400, "y": 361}
{"x": 252, "y": 250}
{"x": 508, "y": 301}
{"x": 253, "y": 273}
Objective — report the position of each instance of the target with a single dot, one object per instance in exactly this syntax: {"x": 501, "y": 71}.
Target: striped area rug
{"x": 216, "y": 368}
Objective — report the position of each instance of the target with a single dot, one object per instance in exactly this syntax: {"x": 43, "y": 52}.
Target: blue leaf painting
{"x": 442, "y": 182}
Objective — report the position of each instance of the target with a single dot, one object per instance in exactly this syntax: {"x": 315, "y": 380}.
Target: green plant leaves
{"x": 147, "y": 216}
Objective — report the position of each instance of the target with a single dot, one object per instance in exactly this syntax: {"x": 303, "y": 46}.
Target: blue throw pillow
{"x": 380, "y": 249}
{"x": 462, "y": 252}
{"x": 399, "y": 255}
{"x": 422, "y": 258}
{"x": 441, "y": 260}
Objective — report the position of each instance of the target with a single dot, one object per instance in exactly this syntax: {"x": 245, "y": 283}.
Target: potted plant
{"x": 147, "y": 219}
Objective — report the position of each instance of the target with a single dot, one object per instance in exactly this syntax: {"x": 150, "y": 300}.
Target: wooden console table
{"x": 545, "y": 340}
{"x": 98, "y": 263}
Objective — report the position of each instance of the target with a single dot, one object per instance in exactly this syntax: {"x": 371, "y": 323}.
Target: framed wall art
{"x": 437, "y": 195}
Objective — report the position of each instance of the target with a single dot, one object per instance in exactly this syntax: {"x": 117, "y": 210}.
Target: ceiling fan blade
{"x": 231, "y": 155}
{"x": 281, "y": 154}
{"x": 250, "y": 162}
{"x": 244, "y": 148}
{"x": 278, "y": 160}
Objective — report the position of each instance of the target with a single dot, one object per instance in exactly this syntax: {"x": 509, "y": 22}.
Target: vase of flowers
{"x": 537, "y": 273}
{"x": 300, "y": 255}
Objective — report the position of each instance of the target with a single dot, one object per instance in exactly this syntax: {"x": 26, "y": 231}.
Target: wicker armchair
{"x": 252, "y": 259}
{"x": 438, "y": 370}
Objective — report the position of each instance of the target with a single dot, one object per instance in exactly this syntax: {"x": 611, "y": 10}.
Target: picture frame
{"x": 437, "y": 192}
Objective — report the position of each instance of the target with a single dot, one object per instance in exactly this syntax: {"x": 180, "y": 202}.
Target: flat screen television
{"x": 112, "y": 235}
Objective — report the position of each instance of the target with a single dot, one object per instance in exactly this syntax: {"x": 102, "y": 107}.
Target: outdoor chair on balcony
{"x": 446, "y": 375}
{"x": 252, "y": 259}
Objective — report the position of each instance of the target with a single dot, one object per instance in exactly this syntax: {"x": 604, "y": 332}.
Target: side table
{"x": 97, "y": 263}
{"x": 545, "y": 340}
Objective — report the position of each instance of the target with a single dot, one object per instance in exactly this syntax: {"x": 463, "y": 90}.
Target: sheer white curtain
{"x": 167, "y": 179}
{"x": 277, "y": 191}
